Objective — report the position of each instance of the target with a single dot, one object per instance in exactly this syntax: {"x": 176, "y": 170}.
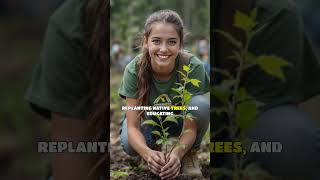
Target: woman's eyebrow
{"x": 173, "y": 38}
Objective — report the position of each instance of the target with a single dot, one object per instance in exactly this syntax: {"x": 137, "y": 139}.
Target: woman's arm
{"x": 72, "y": 166}
{"x": 155, "y": 159}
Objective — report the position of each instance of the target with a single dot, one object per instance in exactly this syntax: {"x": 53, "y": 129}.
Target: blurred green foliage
{"x": 128, "y": 17}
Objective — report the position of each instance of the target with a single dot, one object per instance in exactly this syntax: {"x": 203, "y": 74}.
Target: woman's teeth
{"x": 162, "y": 57}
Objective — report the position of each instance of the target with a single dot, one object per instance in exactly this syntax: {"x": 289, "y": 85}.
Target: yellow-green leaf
{"x": 119, "y": 174}
{"x": 159, "y": 141}
{"x": 243, "y": 21}
{"x": 156, "y": 133}
{"x": 272, "y": 65}
{"x": 171, "y": 119}
{"x": 186, "y": 68}
{"x": 150, "y": 122}
{"x": 195, "y": 82}
{"x": 186, "y": 96}
{"x": 253, "y": 14}
{"x": 190, "y": 116}
{"x": 177, "y": 90}
{"x": 246, "y": 113}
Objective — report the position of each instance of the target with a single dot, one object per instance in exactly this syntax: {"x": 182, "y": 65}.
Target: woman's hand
{"x": 156, "y": 161}
{"x": 172, "y": 167}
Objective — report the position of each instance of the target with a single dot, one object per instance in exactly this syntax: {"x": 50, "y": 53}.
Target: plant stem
{"x": 238, "y": 162}
{"x": 183, "y": 113}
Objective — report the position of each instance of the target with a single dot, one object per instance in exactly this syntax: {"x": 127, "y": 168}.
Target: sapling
{"x": 183, "y": 96}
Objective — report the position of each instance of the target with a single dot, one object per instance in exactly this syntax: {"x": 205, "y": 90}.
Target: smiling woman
{"x": 163, "y": 45}
{"x": 148, "y": 80}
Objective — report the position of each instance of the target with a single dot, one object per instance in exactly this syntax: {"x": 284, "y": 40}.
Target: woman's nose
{"x": 163, "y": 47}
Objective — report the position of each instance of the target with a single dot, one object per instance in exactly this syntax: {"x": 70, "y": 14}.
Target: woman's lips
{"x": 163, "y": 57}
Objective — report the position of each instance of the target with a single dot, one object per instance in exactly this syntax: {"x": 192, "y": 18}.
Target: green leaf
{"x": 253, "y": 13}
{"x": 119, "y": 174}
{"x": 158, "y": 117}
{"x": 159, "y": 141}
{"x": 230, "y": 38}
{"x": 182, "y": 75}
{"x": 195, "y": 82}
{"x": 222, "y": 91}
{"x": 171, "y": 119}
{"x": 244, "y": 22}
{"x": 156, "y": 133}
{"x": 186, "y": 68}
{"x": 272, "y": 65}
{"x": 150, "y": 122}
{"x": 177, "y": 96}
{"x": 241, "y": 94}
{"x": 190, "y": 116}
{"x": 246, "y": 113}
{"x": 186, "y": 96}
{"x": 166, "y": 129}
{"x": 177, "y": 90}
{"x": 250, "y": 58}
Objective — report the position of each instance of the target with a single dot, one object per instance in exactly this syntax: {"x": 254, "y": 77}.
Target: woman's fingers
{"x": 169, "y": 164}
{"x": 171, "y": 171}
{"x": 162, "y": 158}
{"x": 153, "y": 169}
{"x": 171, "y": 168}
{"x": 153, "y": 163}
{"x": 177, "y": 174}
{"x": 158, "y": 159}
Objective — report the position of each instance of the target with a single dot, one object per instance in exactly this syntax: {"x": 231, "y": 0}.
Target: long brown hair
{"x": 97, "y": 17}
{"x": 97, "y": 29}
{"x": 144, "y": 69}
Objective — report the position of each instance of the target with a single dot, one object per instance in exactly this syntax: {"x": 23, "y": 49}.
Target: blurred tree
{"x": 128, "y": 17}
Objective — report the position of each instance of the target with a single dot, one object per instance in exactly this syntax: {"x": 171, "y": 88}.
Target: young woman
{"x": 148, "y": 80}
{"x": 69, "y": 84}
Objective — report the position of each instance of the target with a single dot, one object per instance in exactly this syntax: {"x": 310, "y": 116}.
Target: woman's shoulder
{"x": 131, "y": 66}
{"x": 195, "y": 61}
{"x": 68, "y": 19}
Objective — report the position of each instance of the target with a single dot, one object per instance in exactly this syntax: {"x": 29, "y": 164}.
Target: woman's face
{"x": 163, "y": 45}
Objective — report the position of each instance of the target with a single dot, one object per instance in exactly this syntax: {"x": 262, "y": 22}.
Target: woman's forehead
{"x": 163, "y": 30}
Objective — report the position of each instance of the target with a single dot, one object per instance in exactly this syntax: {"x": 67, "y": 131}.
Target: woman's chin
{"x": 162, "y": 63}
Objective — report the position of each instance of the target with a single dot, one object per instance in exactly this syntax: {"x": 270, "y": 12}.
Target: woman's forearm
{"x": 138, "y": 142}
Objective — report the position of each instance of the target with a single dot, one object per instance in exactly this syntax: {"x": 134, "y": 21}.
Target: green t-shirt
{"x": 59, "y": 79}
{"x": 160, "y": 92}
{"x": 283, "y": 36}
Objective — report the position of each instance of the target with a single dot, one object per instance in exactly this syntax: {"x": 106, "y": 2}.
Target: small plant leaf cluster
{"x": 183, "y": 96}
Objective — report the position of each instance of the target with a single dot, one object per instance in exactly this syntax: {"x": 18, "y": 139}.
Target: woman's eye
{"x": 156, "y": 41}
{"x": 172, "y": 43}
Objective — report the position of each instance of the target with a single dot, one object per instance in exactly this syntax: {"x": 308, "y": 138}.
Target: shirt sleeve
{"x": 200, "y": 74}
{"x": 129, "y": 87}
{"x": 59, "y": 80}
